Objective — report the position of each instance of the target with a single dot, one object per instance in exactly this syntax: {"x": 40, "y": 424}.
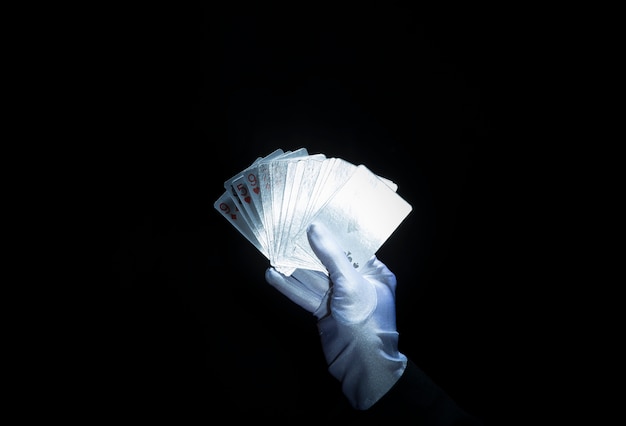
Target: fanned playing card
{"x": 272, "y": 202}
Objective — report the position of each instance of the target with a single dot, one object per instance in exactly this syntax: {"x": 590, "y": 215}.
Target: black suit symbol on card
{"x": 349, "y": 256}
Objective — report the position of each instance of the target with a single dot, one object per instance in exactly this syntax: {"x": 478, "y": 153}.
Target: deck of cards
{"x": 272, "y": 202}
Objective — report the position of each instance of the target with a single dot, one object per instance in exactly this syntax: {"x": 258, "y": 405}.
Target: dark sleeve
{"x": 417, "y": 400}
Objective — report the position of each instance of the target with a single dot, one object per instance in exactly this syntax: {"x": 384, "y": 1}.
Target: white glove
{"x": 356, "y": 318}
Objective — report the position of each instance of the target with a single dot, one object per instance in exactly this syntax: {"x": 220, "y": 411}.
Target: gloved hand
{"x": 356, "y": 318}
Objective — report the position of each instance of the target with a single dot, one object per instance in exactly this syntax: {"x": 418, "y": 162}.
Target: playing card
{"x": 246, "y": 186}
{"x": 362, "y": 215}
{"x": 305, "y": 173}
{"x": 272, "y": 202}
{"x": 228, "y": 208}
{"x": 268, "y": 194}
{"x": 234, "y": 192}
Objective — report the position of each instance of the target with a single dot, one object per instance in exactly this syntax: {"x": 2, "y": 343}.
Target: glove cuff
{"x": 367, "y": 364}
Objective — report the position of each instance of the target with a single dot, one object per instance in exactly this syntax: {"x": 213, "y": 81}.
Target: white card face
{"x": 362, "y": 215}
{"x": 272, "y": 202}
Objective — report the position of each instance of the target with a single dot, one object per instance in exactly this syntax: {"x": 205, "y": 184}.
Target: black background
{"x": 442, "y": 101}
